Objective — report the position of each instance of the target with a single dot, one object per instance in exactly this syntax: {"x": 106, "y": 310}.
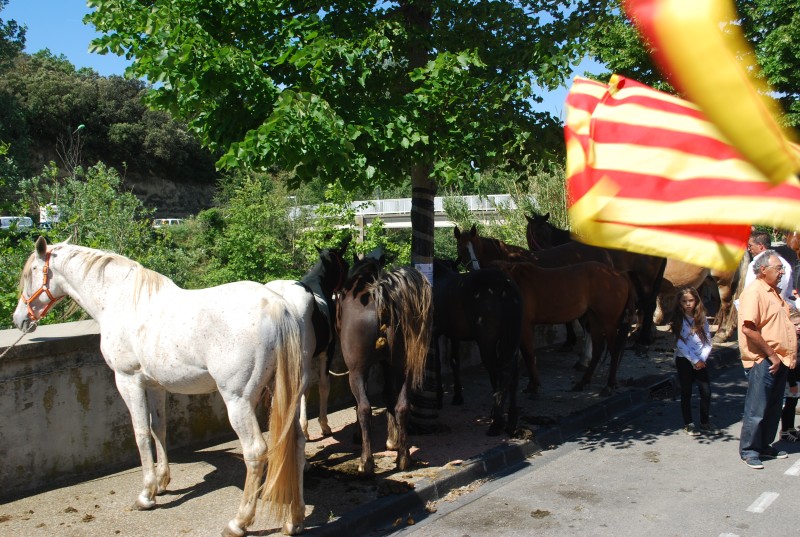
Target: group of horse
{"x": 250, "y": 342}
{"x": 254, "y": 342}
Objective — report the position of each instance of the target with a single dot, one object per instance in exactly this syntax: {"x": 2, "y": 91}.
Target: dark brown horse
{"x": 551, "y": 296}
{"x": 483, "y": 306}
{"x": 385, "y": 317}
{"x": 645, "y": 271}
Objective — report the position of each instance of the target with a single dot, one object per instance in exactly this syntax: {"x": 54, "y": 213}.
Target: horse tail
{"x": 406, "y": 298}
{"x": 281, "y": 489}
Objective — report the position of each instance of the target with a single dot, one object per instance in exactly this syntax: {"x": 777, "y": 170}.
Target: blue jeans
{"x": 762, "y": 409}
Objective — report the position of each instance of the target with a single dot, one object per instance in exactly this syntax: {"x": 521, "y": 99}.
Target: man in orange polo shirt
{"x": 768, "y": 347}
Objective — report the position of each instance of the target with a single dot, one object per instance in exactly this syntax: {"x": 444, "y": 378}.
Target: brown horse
{"x": 552, "y": 296}
{"x": 384, "y": 317}
{"x": 483, "y": 306}
{"x": 477, "y": 251}
{"x": 645, "y": 271}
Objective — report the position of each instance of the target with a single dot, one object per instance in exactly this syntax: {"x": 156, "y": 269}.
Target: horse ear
{"x": 318, "y": 249}
{"x": 546, "y": 217}
{"x": 473, "y": 230}
{"x": 529, "y": 219}
{"x": 456, "y": 232}
{"x": 345, "y": 243}
{"x": 41, "y": 246}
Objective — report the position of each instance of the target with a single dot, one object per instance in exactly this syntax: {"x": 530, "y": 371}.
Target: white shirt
{"x": 689, "y": 344}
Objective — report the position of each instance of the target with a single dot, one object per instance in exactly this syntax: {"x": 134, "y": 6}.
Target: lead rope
{"x": 30, "y": 329}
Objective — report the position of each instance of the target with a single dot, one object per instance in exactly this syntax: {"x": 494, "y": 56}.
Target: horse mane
{"x": 406, "y": 297}
{"x": 98, "y": 260}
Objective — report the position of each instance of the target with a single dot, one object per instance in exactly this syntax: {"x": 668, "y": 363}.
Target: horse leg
{"x": 134, "y": 395}
{"x": 437, "y": 368}
{"x": 572, "y": 338}
{"x": 586, "y": 355}
{"x": 241, "y": 413}
{"x": 597, "y": 352}
{"x": 455, "y": 366}
{"x": 491, "y": 361}
{"x": 529, "y": 355}
{"x": 617, "y": 350}
{"x": 511, "y": 392}
{"x": 358, "y": 385}
{"x": 324, "y": 383}
{"x": 400, "y": 420}
{"x": 157, "y": 405}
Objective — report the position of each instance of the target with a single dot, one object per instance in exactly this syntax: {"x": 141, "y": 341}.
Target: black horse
{"x": 324, "y": 280}
{"x": 483, "y": 306}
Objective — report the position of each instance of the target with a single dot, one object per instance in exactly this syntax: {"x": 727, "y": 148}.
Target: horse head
{"x": 467, "y": 245}
{"x": 39, "y": 288}
{"x": 541, "y": 234}
{"x": 331, "y": 269}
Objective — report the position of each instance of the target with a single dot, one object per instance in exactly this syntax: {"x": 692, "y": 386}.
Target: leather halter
{"x": 45, "y": 288}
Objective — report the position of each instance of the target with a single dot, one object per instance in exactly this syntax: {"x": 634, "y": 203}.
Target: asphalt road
{"x": 636, "y": 475}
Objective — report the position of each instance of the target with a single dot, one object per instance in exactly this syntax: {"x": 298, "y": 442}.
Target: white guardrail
{"x": 396, "y": 212}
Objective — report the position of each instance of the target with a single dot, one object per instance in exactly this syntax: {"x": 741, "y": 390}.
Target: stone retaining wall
{"x": 62, "y": 419}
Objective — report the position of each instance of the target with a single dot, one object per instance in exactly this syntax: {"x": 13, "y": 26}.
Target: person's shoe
{"x": 772, "y": 453}
{"x": 754, "y": 463}
{"x": 791, "y": 435}
{"x": 709, "y": 428}
{"x": 690, "y": 430}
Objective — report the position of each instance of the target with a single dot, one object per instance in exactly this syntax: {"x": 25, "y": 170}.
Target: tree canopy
{"x": 355, "y": 91}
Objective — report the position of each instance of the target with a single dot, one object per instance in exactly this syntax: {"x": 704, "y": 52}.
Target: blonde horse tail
{"x": 281, "y": 489}
{"x": 412, "y": 309}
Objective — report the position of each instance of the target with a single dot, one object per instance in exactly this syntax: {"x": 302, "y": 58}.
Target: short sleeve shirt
{"x": 762, "y": 305}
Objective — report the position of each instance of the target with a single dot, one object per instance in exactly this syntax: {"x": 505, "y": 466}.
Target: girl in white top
{"x": 692, "y": 348}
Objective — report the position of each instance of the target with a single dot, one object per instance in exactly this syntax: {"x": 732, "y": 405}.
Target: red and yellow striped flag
{"x": 701, "y": 50}
{"x": 647, "y": 172}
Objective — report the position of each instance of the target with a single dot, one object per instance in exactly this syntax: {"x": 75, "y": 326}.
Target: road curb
{"x": 384, "y": 511}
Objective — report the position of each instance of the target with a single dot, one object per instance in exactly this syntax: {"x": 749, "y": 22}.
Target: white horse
{"x": 157, "y": 337}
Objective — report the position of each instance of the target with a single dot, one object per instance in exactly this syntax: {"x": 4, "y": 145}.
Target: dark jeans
{"x": 762, "y": 409}
{"x": 789, "y": 406}
{"x": 687, "y": 376}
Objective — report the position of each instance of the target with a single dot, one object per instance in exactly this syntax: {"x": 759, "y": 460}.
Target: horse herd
{"x": 250, "y": 341}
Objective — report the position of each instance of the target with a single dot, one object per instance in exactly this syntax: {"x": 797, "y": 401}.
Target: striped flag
{"x": 647, "y": 172}
{"x": 700, "y": 48}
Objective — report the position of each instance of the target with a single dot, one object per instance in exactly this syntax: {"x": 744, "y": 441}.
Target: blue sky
{"x": 57, "y": 25}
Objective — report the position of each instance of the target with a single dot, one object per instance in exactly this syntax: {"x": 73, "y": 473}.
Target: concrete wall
{"x": 62, "y": 419}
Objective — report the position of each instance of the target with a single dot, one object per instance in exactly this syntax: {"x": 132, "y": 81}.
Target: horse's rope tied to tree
{"x": 45, "y": 288}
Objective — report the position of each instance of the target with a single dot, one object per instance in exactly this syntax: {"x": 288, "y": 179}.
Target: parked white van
{"x": 163, "y": 222}
{"x": 21, "y": 222}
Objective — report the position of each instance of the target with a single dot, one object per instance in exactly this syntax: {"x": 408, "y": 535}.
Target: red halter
{"x": 43, "y": 289}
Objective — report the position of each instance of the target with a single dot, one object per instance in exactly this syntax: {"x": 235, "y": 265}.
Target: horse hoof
{"x": 579, "y": 367}
{"x": 577, "y": 388}
{"x": 292, "y": 529}
{"x": 366, "y": 470}
{"x": 144, "y": 504}
{"x": 232, "y": 530}
{"x": 566, "y": 347}
{"x": 326, "y": 431}
{"x": 458, "y": 399}
{"x": 607, "y": 392}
